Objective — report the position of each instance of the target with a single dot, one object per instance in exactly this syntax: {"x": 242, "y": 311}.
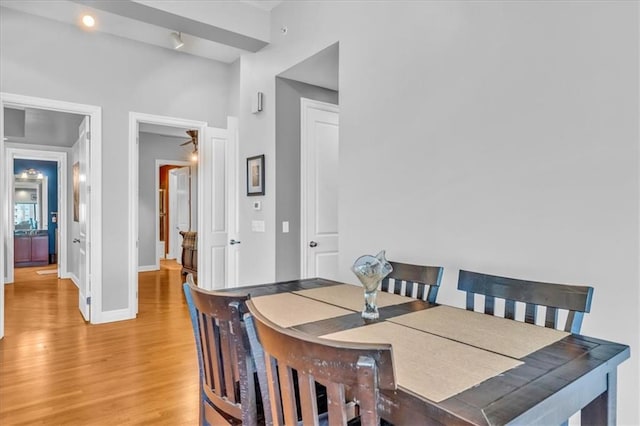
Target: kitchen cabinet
{"x": 31, "y": 250}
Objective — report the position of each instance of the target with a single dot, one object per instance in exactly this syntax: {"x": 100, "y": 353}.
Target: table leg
{"x": 602, "y": 410}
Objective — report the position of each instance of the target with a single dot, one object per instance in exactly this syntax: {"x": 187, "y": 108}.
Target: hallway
{"x": 56, "y": 369}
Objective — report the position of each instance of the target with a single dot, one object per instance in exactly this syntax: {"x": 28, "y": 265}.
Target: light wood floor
{"x": 57, "y": 369}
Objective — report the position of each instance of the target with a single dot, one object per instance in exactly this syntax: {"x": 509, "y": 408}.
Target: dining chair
{"x": 227, "y": 384}
{"x": 425, "y": 280}
{"x": 341, "y": 368}
{"x": 574, "y": 299}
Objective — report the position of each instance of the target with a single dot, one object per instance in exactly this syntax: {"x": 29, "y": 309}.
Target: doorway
{"x": 315, "y": 78}
{"x": 161, "y": 149}
{"x": 180, "y": 207}
{"x": 169, "y": 207}
{"x": 217, "y": 165}
{"x": 93, "y": 174}
{"x": 36, "y": 198}
{"x": 140, "y": 125}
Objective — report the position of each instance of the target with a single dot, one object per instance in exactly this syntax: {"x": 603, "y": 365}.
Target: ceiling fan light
{"x": 176, "y": 40}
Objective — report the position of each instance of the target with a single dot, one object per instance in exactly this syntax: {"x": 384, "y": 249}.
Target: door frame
{"x": 135, "y": 119}
{"x": 159, "y": 164}
{"x": 305, "y": 104}
{"x": 95, "y": 114}
{"x": 60, "y": 157}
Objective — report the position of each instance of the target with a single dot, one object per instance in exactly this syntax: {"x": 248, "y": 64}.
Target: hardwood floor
{"x": 57, "y": 369}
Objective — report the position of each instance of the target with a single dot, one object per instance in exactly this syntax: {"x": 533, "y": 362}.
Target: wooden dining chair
{"x": 227, "y": 384}
{"x": 354, "y": 369}
{"x": 424, "y": 279}
{"x": 574, "y": 299}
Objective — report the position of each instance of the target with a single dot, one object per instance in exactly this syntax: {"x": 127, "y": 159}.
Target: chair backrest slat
{"x": 287, "y": 390}
{"x": 363, "y": 368}
{"x": 530, "y": 313}
{"x": 225, "y": 353}
{"x": 425, "y": 279}
{"x": 224, "y": 356}
{"x": 367, "y": 379}
{"x": 489, "y": 304}
{"x": 470, "y": 301}
{"x": 308, "y": 399}
{"x": 551, "y": 317}
{"x": 209, "y": 339}
{"x": 574, "y": 321}
{"x": 574, "y": 299}
{"x": 509, "y": 308}
{"x": 335, "y": 407}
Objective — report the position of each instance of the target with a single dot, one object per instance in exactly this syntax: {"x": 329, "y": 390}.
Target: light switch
{"x": 257, "y": 226}
{"x": 285, "y": 226}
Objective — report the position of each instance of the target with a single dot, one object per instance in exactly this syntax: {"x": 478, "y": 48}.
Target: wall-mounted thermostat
{"x": 257, "y": 205}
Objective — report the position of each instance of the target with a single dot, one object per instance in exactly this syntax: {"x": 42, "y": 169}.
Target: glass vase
{"x": 371, "y": 270}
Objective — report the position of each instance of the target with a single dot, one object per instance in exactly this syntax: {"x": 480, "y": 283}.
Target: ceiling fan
{"x": 194, "y": 141}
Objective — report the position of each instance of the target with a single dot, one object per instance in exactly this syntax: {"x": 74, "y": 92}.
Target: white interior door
{"x": 84, "y": 237}
{"x": 217, "y": 238}
{"x": 319, "y": 176}
{"x": 179, "y": 208}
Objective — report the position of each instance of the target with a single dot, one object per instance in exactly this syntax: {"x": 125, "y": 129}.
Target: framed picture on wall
{"x": 255, "y": 175}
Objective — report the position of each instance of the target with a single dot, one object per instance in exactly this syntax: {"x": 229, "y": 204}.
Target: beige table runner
{"x": 288, "y": 309}
{"x": 431, "y": 366}
{"x": 351, "y": 296}
{"x": 506, "y": 337}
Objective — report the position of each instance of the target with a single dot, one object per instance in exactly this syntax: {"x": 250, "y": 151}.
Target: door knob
{"x": 76, "y": 240}
{"x": 313, "y": 244}
{"x": 234, "y": 242}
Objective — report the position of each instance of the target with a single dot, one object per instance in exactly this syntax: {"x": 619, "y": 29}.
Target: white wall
{"x": 53, "y": 60}
{"x": 495, "y": 136}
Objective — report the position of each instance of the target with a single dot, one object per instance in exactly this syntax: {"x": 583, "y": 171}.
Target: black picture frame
{"x": 255, "y": 175}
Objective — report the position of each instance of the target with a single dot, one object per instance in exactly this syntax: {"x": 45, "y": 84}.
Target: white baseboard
{"x": 113, "y": 316}
{"x": 148, "y": 268}
{"x": 71, "y": 276}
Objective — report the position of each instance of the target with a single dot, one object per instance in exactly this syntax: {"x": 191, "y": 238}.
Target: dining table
{"x": 454, "y": 366}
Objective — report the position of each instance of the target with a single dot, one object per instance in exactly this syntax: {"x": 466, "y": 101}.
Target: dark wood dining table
{"x": 547, "y": 386}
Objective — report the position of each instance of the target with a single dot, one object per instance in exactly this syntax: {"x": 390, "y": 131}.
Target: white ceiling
{"x": 41, "y": 127}
{"x": 156, "y": 129}
{"x": 219, "y": 30}
{"x": 320, "y": 69}
{"x": 34, "y": 126}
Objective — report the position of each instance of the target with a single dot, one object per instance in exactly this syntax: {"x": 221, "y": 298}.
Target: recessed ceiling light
{"x": 88, "y": 21}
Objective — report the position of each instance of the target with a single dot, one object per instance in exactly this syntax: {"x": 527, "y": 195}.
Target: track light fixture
{"x": 176, "y": 40}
